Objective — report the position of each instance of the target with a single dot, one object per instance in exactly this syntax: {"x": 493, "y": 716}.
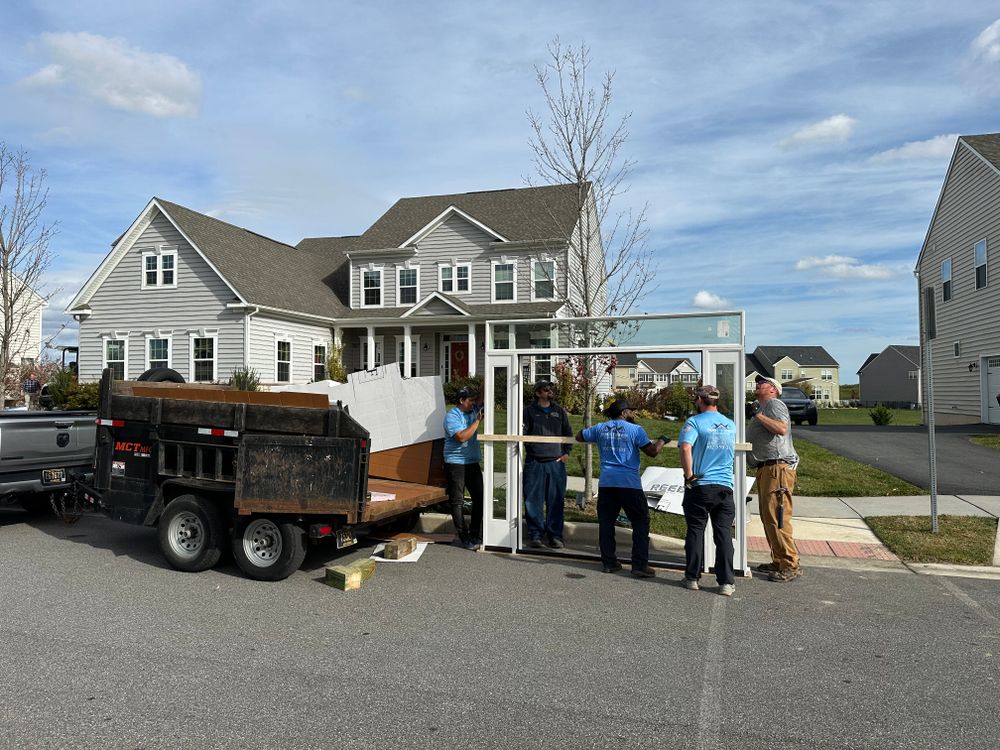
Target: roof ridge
{"x": 164, "y": 201}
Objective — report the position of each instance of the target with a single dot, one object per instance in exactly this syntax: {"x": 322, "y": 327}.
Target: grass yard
{"x": 900, "y": 417}
{"x": 961, "y": 540}
{"x": 987, "y": 441}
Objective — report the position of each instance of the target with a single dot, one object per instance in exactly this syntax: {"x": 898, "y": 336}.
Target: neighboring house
{"x": 183, "y": 290}
{"x": 752, "y": 368}
{"x": 626, "y": 375}
{"x": 959, "y": 301}
{"x": 663, "y": 372}
{"x": 798, "y": 366}
{"x": 891, "y": 377}
{"x": 25, "y": 345}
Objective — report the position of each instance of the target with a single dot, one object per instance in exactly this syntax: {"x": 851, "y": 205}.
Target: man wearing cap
{"x": 707, "y": 446}
{"x": 619, "y": 441}
{"x": 461, "y": 465}
{"x": 773, "y": 456}
{"x": 545, "y": 468}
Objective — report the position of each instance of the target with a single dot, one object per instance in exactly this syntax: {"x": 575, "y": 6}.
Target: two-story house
{"x": 891, "y": 377}
{"x": 653, "y": 373}
{"x": 183, "y": 290}
{"x": 796, "y": 365}
{"x": 958, "y": 299}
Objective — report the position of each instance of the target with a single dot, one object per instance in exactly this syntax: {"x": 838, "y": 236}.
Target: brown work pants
{"x": 775, "y": 484}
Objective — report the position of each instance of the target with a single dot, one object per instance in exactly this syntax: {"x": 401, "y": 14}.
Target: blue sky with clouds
{"x": 790, "y": 153}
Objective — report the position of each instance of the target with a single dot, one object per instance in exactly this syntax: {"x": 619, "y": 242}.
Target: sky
{"x": 789, "y": 154}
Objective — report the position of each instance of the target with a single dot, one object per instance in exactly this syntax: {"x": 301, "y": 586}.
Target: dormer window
{"x": 159, "y": 268}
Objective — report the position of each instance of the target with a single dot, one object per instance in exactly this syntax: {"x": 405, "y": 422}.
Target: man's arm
{"x": 687, "y": 460}
{"x": 774, "y": 426}
{"x": 653, "y": 449}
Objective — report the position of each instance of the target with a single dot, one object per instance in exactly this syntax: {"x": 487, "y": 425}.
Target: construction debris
{"x": 350, "y": 576}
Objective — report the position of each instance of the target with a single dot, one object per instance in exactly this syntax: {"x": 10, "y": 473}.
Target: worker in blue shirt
{"x": 619, "y": 441}
{"x": 707, "y": 447}
{"x": 461, "y": 466}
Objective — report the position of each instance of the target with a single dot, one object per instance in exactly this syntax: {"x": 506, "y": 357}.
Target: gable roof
{"x": 865, "y": 364}
{"x": 664, "y": 365}
{"x": 909, "y": 353}
{"x": 626, "y": 359}
{"x": 986, "y": 145}
{"x": 804, "y": 356}
{"x": 751, "y": 365}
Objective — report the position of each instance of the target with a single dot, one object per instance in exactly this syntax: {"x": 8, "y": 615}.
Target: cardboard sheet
{"x": 664, "y": 488}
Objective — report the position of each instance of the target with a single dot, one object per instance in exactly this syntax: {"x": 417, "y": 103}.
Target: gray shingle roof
{"x": 988, "y": 145}
{"x": 912, "y": 353}
{"x": 751, "y": 365}
{"x": 868, "y": 361}
{"x": 804, "y": 356}
{"x": 663, "y": 365}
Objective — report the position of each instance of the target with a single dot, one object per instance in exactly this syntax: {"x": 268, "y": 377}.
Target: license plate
{"x": 53, "y": 476}
{"x": 345, "y": 538}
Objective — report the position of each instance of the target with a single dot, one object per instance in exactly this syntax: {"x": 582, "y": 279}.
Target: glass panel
{"x": 446, "y": 281}
{"x": 117, "y": 370}
{"x": 725, "y": 381}
{"x": 501, "y": 451}
{"x": 204, "y": 356}
{"x": 463, "y": 278}
{"x": 116, "y": 350}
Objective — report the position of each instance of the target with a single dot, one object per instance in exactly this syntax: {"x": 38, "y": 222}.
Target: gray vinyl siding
{"x": 968, "y": 211}
{"x": 456, "y": 240}
{"x": 587, "y": 249}
{"x": 120, "y": 305}
{"x": 886, "y": 379}
{"x": 266, "y": 331}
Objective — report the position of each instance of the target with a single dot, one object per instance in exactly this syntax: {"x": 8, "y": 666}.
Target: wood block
{"x": 351, "y": 576}
{"x": 398, "y": 548}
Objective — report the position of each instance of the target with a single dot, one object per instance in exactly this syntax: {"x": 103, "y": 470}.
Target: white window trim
{"x": 116, "y": 336}
{"x": 379, "y": 346}
{"x": 327, "y": 347}
{"x": 534, "y": 263}
{"x": 381, "y": 285}
{"x": 399, "y": 269}
{"x": 159, "y": 252}
{"x": 284, "y": 338}
{"x": 214, "y": 335}
{"x": 170, "y": 347}
{"x": 454, "y": 277}
{"x": 493, "y": 281}
{"x": 415, "y": 345}
{"x": 985, "y": 264}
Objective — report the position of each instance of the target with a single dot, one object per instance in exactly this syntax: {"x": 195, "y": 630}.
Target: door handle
{"x": 63, "y": 425}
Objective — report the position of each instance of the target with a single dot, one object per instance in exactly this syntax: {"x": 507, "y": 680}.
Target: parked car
{"x": 800, "y": 407}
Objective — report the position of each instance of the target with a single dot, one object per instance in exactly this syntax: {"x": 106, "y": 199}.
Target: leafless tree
{"x": 24, "y": 253}
{"x": 577, "y": 140}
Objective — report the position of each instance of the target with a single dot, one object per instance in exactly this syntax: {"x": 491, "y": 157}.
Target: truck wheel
{"x": 161, "y": 375}
{"x": 192, "y": 533}
{"x": 268, "y": 550}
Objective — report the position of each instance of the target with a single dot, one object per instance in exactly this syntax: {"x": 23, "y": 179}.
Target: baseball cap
{"x": 617, "y": 407}
{"x": 707, "y": 391}
{"x": 772, "y": 381}
{"x": 467, "y": 392}
{"x": 542, "y": 385}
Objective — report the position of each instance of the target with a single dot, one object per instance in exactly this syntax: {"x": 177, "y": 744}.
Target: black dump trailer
{"x": 263, "y": 473}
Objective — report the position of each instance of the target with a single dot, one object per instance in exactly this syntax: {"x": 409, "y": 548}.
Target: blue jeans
{"x": 702, "y": 502}
{"x": 611, "y": 500}
{"x": 544, "y": 487}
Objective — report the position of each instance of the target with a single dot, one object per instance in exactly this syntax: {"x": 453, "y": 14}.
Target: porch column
{"x": 407, "y": 351}
{"x": 472, "y": 350}
{"x": 370, "y": 364}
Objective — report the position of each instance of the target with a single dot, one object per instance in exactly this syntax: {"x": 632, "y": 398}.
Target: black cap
{"x": 542, "y": 385}
{"x": 617, "y": 407}
{"x": 466, "y": 392}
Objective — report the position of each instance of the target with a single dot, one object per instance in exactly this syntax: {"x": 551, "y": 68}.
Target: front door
{"x": 458, "y": 365}
{"x": 992, "y": 390}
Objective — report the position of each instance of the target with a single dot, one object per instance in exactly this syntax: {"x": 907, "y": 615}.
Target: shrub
{"x": 676, "y": 400}
{"x": 245, "y": 379}
{"x": 881, "y": 415}
{"x": 453, "y": 386}
{"x": 335, "y": 369}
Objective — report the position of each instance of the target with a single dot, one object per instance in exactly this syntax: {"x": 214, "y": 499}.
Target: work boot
{"x": 766, "y": 568}
{"x": 783, "y": 576}
{"x": 646, "y": 572}
{"x": 612, "y": 568}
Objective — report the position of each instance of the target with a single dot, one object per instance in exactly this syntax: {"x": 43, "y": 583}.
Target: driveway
{"x": 963, "y": 468}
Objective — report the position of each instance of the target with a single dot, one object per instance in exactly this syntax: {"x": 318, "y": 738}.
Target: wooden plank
{"x": 556, "y": 439}
{"x": 422, "y": 463}
{"x": 409, "y": 496}
{"x": 398, "y": 548}
{"x": 351, "y": 576}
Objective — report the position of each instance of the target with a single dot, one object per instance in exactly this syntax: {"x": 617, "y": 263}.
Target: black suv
{"x": 800, "y": 407}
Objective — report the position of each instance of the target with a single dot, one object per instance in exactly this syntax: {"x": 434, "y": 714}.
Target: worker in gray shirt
{"x": 773, "y": 456}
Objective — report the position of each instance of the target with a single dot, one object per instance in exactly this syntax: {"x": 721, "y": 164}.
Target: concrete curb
{"x": 996, "y": 547}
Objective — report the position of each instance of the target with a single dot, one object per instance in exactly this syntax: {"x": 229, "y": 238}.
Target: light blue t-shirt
{"x": 454, "y": 451}
{"x": 619, "y": 443}
{"x": 712, "y": 437}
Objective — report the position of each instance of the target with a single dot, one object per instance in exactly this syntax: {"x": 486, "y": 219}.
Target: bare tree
{"x": 577, "y": 141}
{"x": 24, "y": 253}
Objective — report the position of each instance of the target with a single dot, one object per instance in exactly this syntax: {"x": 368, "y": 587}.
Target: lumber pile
{"x": 398, "y": 548}
{"x": 350, "y": 576}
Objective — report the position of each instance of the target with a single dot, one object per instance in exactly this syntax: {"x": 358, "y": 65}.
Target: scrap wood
{"x": 398, "y": 548}
{"x": 350, "y": 576}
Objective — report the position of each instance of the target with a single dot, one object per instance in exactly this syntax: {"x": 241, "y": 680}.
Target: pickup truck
{"x": 262, "y": 473}
{"x": 42, "y": 453}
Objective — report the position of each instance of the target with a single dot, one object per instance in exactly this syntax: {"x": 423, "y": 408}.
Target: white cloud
{"x": 845, "y": 267}
{"x": 118, "y": 75}
{"x": 709, "y": 301}
{"x": 987, "y": 45}
{"x": 938, "y": 147}
{"x": 836, "y": 128}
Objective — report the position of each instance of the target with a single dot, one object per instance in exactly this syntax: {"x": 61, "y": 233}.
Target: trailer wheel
{"x": 192, "y": 533}
{"x": 161, "y": 375}
{"x": 268, "y": 550}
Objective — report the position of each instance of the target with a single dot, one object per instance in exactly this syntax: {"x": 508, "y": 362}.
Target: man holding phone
{"x": 461, "y": 465}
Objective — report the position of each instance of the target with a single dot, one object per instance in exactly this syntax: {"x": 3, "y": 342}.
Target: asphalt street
{"x": 962, "y": 466}
{"x": 102, "y": 645}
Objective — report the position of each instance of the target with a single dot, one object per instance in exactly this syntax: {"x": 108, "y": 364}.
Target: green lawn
{"x": 987, "y": 441}
{"x": 900, "y": 417}
{"x": 961, "y": 540}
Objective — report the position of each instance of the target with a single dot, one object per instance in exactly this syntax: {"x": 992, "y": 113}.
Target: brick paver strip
{"x": 820, "y": 548}
{"x": 866, "y": 551}
{"x": 813, "y": 548}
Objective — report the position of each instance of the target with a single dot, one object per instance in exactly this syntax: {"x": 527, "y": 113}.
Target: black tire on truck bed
{"x": 268, "y": 549}
{"x": 192, "y": 533}
{"x": 161, "y": 375}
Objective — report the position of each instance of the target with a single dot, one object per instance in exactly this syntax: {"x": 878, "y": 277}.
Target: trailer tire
{"x": 267, "y": 549}
{"x": 161, "y": 375}
{"x": 192, "y": 533}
